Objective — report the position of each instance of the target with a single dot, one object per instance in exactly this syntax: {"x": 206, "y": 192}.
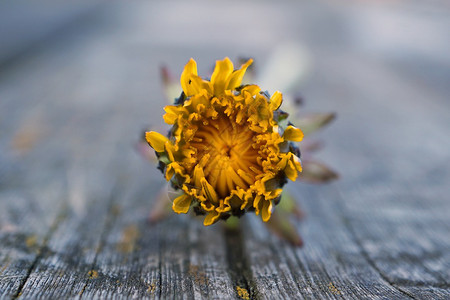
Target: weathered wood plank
{"x": 21, "y": 248}
{"x": 93, "y": 183}
{"x": 398, "y": 216}
{"x": 40, "y": 145}
{"x": 370, "y": 238}
{"x": 176, "y": 258}
{"x": 32, "y": 184}
{"x": 410, "y": 202}
{"x": 428, "y": 292}
{"x": 83, "y": 199}
{"x": 25, "y": 25}
{"x": 330, "y": 265}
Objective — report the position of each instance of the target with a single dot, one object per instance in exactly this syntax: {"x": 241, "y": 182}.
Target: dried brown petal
{"x": 289, "y": 205}
{"x": 281, "y": 225}
{"x": 314, "y": 122}
{"x": 316, "y": 172}
{"x": 311, "y": 146}
{"x": 162, "y": 207}
{"x": 171, "y": 87}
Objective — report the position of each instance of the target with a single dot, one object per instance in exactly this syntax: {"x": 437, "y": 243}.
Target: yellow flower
{"x": 226, "y": 151}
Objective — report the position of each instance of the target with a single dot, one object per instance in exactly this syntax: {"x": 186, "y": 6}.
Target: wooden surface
{"x": 75, "y": 194}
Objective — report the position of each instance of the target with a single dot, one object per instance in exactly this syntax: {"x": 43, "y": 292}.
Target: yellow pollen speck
{"x": 242, "y": 293}
{"x": 93, "y": 274}
{"x": 151, "y": 288}
{"x": 198, "y": 275}
{"x": 130, "y": 234}
{"x": 31, "y": 241}
{"x": 333, "y": 289}
{"x": 2, "y": 269}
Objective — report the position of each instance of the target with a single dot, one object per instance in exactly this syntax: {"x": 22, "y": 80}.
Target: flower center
{"x": 228, "y": 153}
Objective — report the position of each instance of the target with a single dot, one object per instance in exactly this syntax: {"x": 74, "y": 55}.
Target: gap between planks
{"x": 106, "y": 230}
{"x": 58, "y": 220}
{"x": 370, "y": 262}
{"x": 239, "y": 267}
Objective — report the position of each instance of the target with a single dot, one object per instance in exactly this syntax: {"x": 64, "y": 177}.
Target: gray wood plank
{"x": 33, "y": 186}
{"x": 410, "y": 205}
{"x": 23, "y": 26}
{"x": 82, "y": 198}
{"x": 176, "y": 258}
{"x": 92, "y": 185}
{"x": 47, "y": 170}
{"x": 62, "y": 270}
{"x": 428, "y": 292}
{"x": 398, "y": 216}
{"x": 383, "y": 225}
{"x": 331, "y": 265}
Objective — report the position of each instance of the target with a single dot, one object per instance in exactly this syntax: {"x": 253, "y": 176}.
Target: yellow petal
{"x": 182, "y": 203}
{"x": 209, "y": 191}
{"x": 204, "y": 160}
{"x": 297, "y": 162}
{"x": 172, "y": 113}
{"x": 290, "y": 171}
{"x": 222, "y": 72}
{"x": 257, "y": 203}
{"x": 234, "y": 177}
{"x": 156, "y": 140}
{"x": 235, "y": 79}
{"x": 172, "y": 169}
{"x": 198, "y": 84}
{"x": 211, "y": 218}
{"x": 275, "y": 100}
{"x": 273, "y": 194}
{"x": 198, "y": 175}
{"x": 224, "y": 206}
{"x": 292, "y": 133}
{"x": 169, "y": 149}
{"x": 246, "y": 176}
{"x": 170, "y": 119}
{"x": 185, "y": 80}
{"x": 207, "y": 206}
{"x": 252, "y": 90}
{"x": 266, "y": 211}
{"x": 246, "y": 198}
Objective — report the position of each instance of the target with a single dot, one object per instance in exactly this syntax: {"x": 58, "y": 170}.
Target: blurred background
{"x": 83, "y": 77}
{"x": 79, "y": 81}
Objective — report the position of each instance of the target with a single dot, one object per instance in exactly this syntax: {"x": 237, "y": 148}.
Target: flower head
{"x": 226, "y": 151}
